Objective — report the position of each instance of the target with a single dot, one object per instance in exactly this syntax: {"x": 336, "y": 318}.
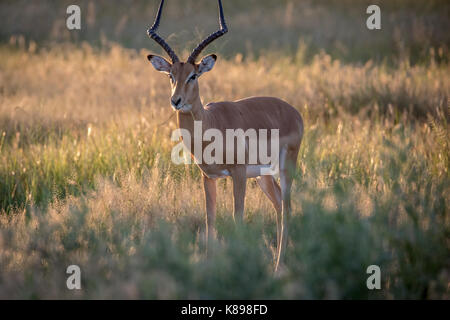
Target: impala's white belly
{"x": 252, "y": 171}
{"x": 218, "y": 174}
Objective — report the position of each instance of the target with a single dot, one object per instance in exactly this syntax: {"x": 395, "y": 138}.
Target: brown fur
{"x": 250, "y": 113}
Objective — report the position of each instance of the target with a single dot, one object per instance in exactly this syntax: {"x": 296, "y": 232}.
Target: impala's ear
{"x": 159, "y": 63}
{"x": 207, "y": 63}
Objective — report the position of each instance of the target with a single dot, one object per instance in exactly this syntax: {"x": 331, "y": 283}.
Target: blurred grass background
{"x": 86, "y": 176}
{"x": 410, "y": 28}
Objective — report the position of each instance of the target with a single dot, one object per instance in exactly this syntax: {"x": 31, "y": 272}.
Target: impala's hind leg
{"x": 272, "y": 190}
{"x": 288, "y": 159}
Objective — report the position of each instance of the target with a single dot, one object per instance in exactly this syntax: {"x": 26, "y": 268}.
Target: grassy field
{"x": 86, "y": 176}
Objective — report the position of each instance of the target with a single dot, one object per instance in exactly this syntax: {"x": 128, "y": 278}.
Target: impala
{"x": 250, "y": 113}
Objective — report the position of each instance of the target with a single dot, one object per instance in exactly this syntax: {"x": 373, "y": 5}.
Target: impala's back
{"x": 258, "y": 113}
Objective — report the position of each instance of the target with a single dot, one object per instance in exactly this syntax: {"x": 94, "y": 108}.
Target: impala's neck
{"x": 186, "y": 120}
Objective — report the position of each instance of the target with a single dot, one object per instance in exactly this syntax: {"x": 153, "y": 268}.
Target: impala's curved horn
{"x": 213, "y": 36}
{"x": 152, "y": 34}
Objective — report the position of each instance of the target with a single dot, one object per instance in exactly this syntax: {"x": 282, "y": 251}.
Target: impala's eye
{"x": 193, "y": 77}
{"x": 172, "y": 78}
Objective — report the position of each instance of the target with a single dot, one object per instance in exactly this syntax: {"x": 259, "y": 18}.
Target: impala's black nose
{"x": 176, "y": 102}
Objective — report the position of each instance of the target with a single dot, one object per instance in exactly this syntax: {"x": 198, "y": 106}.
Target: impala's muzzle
{"x": 176, "y": 103}
{"x": 179, "y": 105}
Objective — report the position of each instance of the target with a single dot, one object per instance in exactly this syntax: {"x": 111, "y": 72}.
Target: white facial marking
{"x": 189, "y": 76}
{"x": 185, "y": 108}
{"x": 172, "y": 77}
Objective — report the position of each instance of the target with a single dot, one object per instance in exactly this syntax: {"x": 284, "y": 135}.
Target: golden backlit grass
{"x": 86, "y": 178}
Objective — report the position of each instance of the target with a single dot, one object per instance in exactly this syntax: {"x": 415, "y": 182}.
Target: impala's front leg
{"x": 239, "y": 176}
{"x": 209, "y": 186}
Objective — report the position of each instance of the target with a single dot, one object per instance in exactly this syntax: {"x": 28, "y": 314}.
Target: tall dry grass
{"x": 86, "y": 178}
{"x": 68, "y": 114}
